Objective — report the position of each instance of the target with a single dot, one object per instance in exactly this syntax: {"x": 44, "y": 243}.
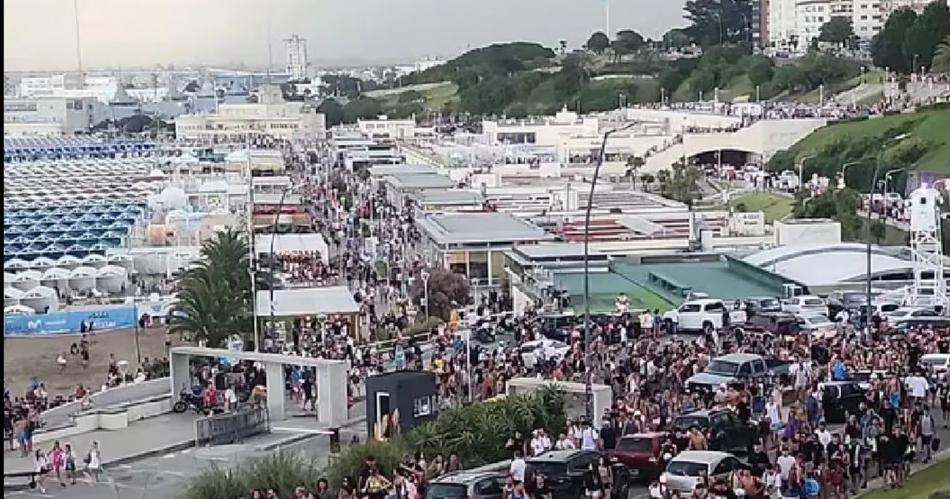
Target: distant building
{"x": 383, "y": 127}
{"x": 760, "y": 23}
{"x": 296, "y": 57}
{"x": 47, "y": 116}
{"x": 102, "y": 88}
{"x": 271, "y": 116}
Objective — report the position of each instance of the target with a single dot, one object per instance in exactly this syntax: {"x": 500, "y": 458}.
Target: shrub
{"x": 281, "y": 472}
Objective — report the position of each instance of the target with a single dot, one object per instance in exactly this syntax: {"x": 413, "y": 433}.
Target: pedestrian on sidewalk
{"x": 93, "y": 463}
{"x": 41, "y": 467}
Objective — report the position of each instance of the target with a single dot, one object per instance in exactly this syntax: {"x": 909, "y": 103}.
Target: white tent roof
{"x": 119, "y": 257}
{"x": 93, "y": 258}
{"x": 39, "y": 292}
{"x": 15, "y": 263}
{"x": 28, "y": 275}
{"x": 82, "y": 272}
{"x": 68, "y": 260}
{"x": 7, "y": 279}
{"x": 42, "y": 262}
{"x": 286, "y": 243}
{"x": 111, "y": 271}
{"x": 56, "y": 273}
{"x": 18, "y": 310}
{"x": 307, "y": 301}
{"x": 12, "y": 293}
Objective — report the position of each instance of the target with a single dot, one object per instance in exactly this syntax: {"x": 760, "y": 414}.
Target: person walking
{"x": 41, "y": 467}
{"x": 93, "y": 462}
{"x": 57, "y": 458}
{"x": 70, "y": 463}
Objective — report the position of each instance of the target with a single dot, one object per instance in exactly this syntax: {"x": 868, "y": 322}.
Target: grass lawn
{"x": 834, "y": 88}
{"x": 920, "y": 485}
{"x": 930, "y": 126}
{"x": 437, "y": 97}
{"x": 775, "y": 207}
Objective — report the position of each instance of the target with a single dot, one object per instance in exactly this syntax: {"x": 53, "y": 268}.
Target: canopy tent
{"x": 41, "y": 298}
{"x": 12, "y": 296}
{"x": 307, "y": 301}
{"x": 68, "y": 261}
{"x": 42, "y": 262}
{"x": 56, "y": 277}
{"x": 17, "y": 310}
{"x": 111, "y": 279}
{"x": 94, "y": 260}
{"x": 16, "y": 264}
{"x": 82, "y": 278}
{"x": 27, "y": 279}
{"x": 291, "y": 243}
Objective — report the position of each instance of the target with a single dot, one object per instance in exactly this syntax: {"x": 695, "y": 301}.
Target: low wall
{"x": 105, "y": 419}
{"x": 112, "y": 396}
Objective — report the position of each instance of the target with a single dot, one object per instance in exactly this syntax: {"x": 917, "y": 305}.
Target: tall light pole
{"x": 588, "y": 382}
{"x": 801, "y": 171}
{"x": 273, "y": 260}
{"x": 844, "y": 168}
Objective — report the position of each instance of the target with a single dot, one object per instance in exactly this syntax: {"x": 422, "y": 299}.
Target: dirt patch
{"x": 24, "y": 358}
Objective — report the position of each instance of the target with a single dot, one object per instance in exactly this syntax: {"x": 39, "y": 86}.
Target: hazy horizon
{"x": 39, "y": 35}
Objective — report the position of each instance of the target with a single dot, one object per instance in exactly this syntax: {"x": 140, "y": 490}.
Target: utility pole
{"x": 82, "y": 79}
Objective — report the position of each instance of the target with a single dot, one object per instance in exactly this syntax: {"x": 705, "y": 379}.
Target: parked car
{"x": 777, "y": 323}
{"x": 845, "y": 300}
{"x": 804, "y": 304}
{"x": 532, "y": 351}
{"x": 756, "y": 305}
{"x": 729, "y": 433}
{"x": 841, "y": 398}
{"x": 467, "y": 485}
{"x": 735, "y": 367}
{"x": 703, "y": 315}
{"x": 686, "y": 468}
{"x": 938, "y": 363}
{"x": 912, "y": 322}
{"x": 903, "y": 313}
{"x": 640, "y": 453}
{"x": 818, "y": 325}
{"x": 564, "y": 472}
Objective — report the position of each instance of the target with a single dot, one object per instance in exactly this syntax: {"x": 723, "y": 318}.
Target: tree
{"x": 676, "y": 38}
{"x": 760, "y": 71}
{"x": 447, "y": 290}
{"x": 887, "y": 47}
{"x": 837, "y": 30}
{"x": 627, "y": 42}
{"x": 598, "y": 42}
{"x": 332, "y": 110}
{"x": 214, "y": 296}
{"x": 941, "y": 60}
{"x": 714, "y": 22}
{"x": 703, "y": 80}
{"x": 923, "y": 37}
{"x": 878, "y": 231}
{"x": 680, "y": 183}
{"x": 192, "y": 87}
{"x": 647, "y": 179}
{"x": 362, "y": 108}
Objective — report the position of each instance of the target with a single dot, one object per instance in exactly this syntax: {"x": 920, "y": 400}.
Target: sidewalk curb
{"x": 115, "y": 462}
{"x": 284, "y": 441}
{"x": 878, "y": 483}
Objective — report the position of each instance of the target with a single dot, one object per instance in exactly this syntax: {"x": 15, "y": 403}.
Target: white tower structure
{"x": 296, "y": 57}
{"x": 930, "y": 285}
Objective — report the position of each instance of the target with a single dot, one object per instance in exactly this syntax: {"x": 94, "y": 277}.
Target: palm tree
{"x": 941, "y": 60}
{"x": 214, "y": 296}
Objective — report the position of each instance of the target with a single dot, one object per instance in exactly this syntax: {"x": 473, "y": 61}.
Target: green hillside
{"x": 915, "y": 141}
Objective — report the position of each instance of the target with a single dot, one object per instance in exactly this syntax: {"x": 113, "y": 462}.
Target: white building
{"x": 271, "y": 116}
{"x": 383, "y": 127}
{"x": 544, "y": 131}
{"x": 782, "y": 26}
{"x": 296, "y": 57}
{"x": 102, "y": 88}
{"x": 810, "y": 16}
{"x": 418, "y": 66}
{"x": 43, "y": 116}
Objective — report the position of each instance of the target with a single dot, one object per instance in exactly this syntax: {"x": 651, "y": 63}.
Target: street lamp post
{"x": 425, "y": 293}
{"x": 273, "y": 262}
{"x": 801, "y": 171}
{"x": 844, "y": 168}
{"x": 588, "y": 388}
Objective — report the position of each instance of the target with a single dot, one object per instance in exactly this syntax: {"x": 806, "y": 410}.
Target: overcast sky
{"x": 40, "y": 34}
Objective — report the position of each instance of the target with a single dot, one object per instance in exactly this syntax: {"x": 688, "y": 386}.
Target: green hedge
{"x": 477, "y": 433}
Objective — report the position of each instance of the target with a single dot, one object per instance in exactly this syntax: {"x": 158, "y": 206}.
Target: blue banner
{"x": 120, "y": 317}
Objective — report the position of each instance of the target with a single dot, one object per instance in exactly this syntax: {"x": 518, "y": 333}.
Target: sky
{"x": 41, "y": 35}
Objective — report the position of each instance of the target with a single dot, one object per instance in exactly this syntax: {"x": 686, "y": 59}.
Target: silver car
{"x": 686, "y": 469}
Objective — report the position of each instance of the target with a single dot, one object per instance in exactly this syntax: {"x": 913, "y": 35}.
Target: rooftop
{"x": 461, "y": 228}
{"x": 448, "y": 197}
{"x": 404, "y": 181}
{"x": 307, "y": 301}
{"x": 828, "y": 264}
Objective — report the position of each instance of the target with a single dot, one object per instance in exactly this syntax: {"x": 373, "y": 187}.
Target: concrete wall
{"x": 679, "y": 120}
{"x": 113, "y": 396}
{"x": 816, "y": 232}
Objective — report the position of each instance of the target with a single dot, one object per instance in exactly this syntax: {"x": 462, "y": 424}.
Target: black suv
{"x": 729, "y": 433}
{"x": 564, "y": 471}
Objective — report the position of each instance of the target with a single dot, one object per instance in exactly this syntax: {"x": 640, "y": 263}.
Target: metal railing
{"x": 232, "y": 427}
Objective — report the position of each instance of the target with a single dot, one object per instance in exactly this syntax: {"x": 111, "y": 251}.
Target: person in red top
{"x": 211, "y": 398}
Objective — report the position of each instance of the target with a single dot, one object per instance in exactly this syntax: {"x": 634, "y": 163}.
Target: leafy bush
{"x": 281, "y": 472}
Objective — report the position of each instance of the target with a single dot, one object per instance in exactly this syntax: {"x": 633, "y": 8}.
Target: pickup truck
{"x": 703, "y": 315}
{"x": 733, "y": 368}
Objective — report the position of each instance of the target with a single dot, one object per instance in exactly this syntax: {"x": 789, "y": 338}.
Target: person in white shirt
{"x": 517, "y": 467}
{"x": 537, "y": 444}
{"x": 589, "y": 437}
{"x": 785, "y": 463}
{"x": 824, "y": 436}
{"x": 564, "y": 443}
{"x": 917, "y": 385}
